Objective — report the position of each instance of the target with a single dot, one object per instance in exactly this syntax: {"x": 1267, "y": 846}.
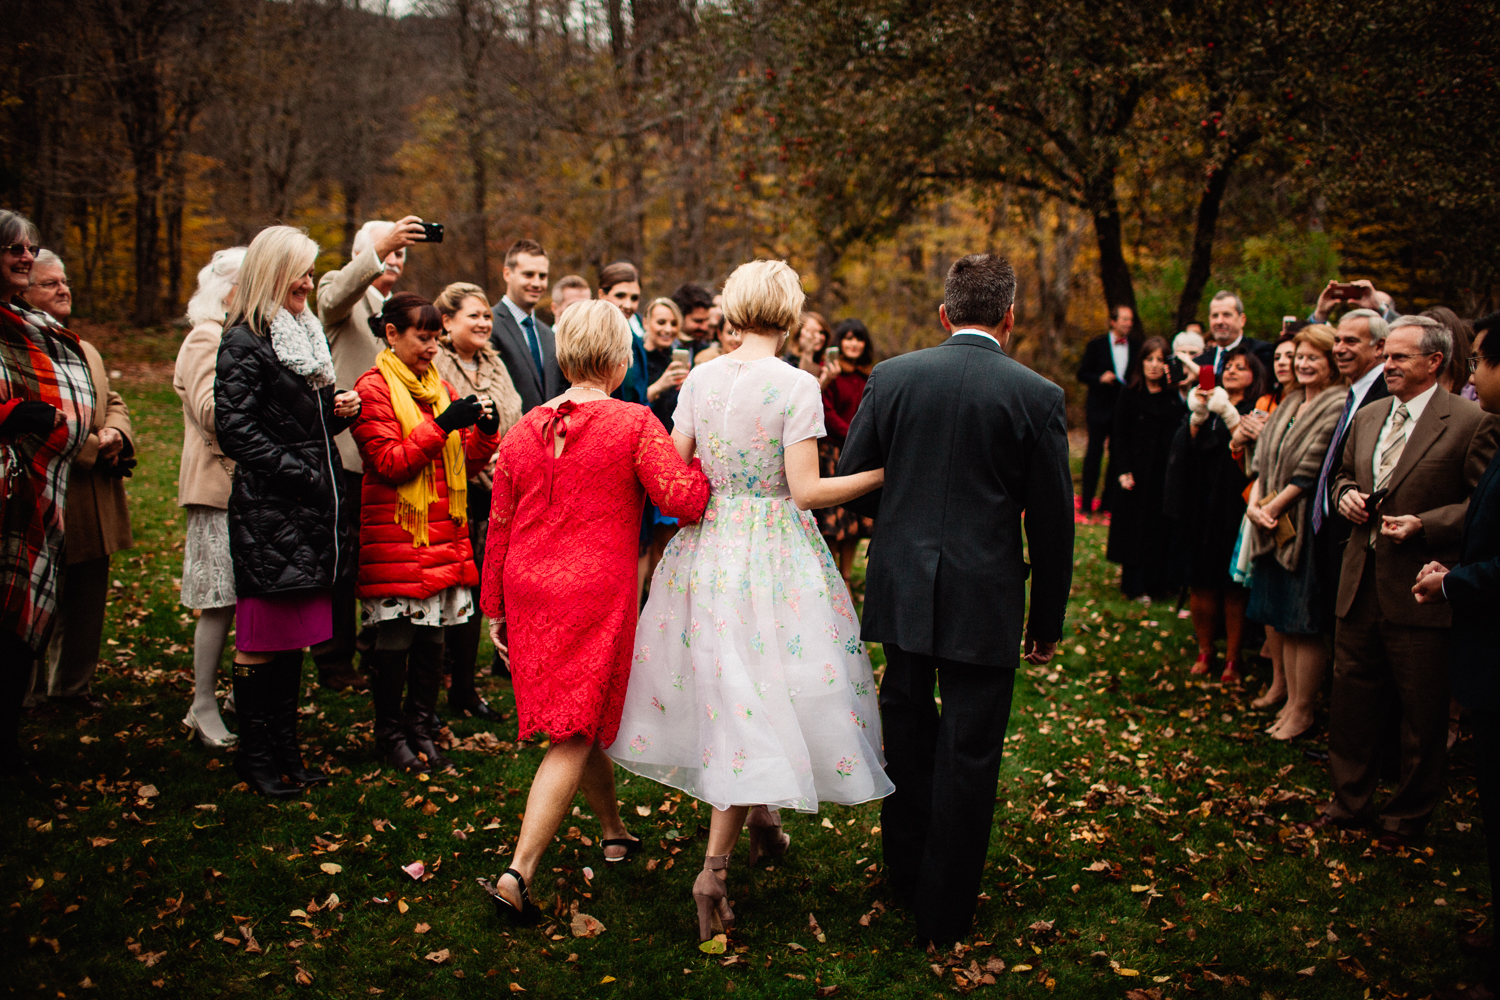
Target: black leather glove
{"x": 491, "y": 423}
{"x": 120, "y": 468}
{"x": 463, "y": 413}
{"x": 31, "y": 416}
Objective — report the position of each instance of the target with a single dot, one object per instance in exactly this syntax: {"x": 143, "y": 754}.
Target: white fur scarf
{"x": 300, "y": 344}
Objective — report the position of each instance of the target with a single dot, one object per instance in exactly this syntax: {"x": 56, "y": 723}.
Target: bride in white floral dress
{"x": 750, "y": 685}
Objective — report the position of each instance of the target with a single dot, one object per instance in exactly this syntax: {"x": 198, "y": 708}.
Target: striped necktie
{"x": 1392, "y": 453}
{"x": 1320, "y": 500}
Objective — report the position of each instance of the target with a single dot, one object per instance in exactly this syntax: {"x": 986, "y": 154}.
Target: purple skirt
{"x": 275, "y": 622}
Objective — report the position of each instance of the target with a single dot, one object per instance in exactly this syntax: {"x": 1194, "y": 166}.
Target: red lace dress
{"x": 561, "y": 562}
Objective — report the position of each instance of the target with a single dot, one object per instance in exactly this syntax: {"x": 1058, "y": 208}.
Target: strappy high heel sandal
{"x": 766, "y": 836}
{"x": 631, "y": 845}
{"x": 527, "y": 914}
{"x": 712, "y": 896}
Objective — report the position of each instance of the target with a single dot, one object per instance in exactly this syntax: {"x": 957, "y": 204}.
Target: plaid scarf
{"x": 38, "y": 361}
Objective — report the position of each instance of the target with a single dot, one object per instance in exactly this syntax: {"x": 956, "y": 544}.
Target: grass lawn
{"x": 1144, "y": 846}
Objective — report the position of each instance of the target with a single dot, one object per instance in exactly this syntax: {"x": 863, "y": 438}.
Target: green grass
{"x": 1144, "y": 840}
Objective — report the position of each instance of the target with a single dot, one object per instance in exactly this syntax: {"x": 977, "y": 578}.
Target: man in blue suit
{"x": 1472, "y": 587}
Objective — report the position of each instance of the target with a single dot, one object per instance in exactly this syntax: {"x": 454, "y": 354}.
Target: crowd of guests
{"x": 1306, "y": 493}
{"x": 356, "y": 460}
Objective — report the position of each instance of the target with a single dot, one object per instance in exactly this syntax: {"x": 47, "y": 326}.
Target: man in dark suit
{"x": 1358, "y": 350}
{"x": 525, "y": 343}
{"x": 1423, "y": 449}
{"x": 1472, "y": 589}
{"x": 1106, "y": 361}
{"x": 970, "y": 440}
{"x": 1226, "y": 323}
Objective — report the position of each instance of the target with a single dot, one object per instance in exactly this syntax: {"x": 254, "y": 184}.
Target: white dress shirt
{"x": 1121, "y": 352}
{"x": 977, "y": 333}
{"x": 1414, "y": 408}
{"x": 516, "y": 311}
{"x": 1361, "y": 389}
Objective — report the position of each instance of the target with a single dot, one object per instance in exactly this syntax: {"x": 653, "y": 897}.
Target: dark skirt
{"x": 1291, "y": 602}
{"x": 838, "y": 524}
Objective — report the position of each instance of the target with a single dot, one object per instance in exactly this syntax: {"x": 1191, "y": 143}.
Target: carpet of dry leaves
{"x": 1149, "y": 843}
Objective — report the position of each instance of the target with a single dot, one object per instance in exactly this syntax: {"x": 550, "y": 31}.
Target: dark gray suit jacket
{"x": 970, "y": 440}
{"x": 509, "y": 339}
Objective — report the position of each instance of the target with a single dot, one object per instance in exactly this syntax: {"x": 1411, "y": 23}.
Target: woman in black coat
{"x": 1147, "y": 417}
{"x": 276, "y": 413}
{"x": 1215, "y": 508}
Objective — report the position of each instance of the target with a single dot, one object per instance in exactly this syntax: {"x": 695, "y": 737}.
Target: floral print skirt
{"x": 838, "y": 524}
{"x": 749, "y": 682}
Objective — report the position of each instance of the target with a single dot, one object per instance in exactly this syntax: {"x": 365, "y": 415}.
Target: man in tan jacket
{"x": 347, "y": 299}
{"x": 1408, "y": 469}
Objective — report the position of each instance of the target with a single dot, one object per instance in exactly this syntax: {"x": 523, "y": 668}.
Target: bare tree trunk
{"x": 1056, "y": 233}
{"x": 1201, "y": 261}
{"x": 353, "y": 194}
{"x": 175, "y": 197}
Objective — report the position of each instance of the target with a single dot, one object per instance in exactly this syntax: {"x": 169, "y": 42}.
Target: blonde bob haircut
{"x": 764, "y": 296}
{"x": 593, "y": 338}
{"x": 451, "y": 299}
{"x": 277, "y": 257}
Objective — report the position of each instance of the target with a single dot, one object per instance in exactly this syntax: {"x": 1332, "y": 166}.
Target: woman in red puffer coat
{"x": 417, "y": 441}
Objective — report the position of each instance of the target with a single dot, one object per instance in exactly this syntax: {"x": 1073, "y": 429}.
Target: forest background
{"x": 1116, "y": 152}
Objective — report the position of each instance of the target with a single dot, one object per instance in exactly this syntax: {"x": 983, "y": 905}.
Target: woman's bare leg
{"x": 1278, "y": 689}
{"x": 599, "y": 790}
{"x": 552, "y": 790}
{"x": 723, "y": 831}
{"x": 1205, "y": 606}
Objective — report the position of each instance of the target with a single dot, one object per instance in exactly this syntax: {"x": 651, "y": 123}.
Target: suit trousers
{"x": 1381, "y": 668}
{"x": 1093, "y": 458}
{"x": 338, "y": 652}
{"x": 935, "y": 827}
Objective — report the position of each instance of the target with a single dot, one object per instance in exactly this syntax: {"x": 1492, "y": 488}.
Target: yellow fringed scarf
{"x": 415, "y": 495}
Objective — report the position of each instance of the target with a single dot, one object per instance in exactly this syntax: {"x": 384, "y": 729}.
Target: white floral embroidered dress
{"x": 749, "y": 682}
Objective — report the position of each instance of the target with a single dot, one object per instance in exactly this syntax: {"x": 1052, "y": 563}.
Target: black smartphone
{"x": 1176, "y": 370}
{"x": 1372, "y": 502}
{"x": 432, "y": 232}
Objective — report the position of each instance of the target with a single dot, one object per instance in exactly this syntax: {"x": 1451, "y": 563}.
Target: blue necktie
{"x": 529, "y": 325}
{"x": 1320, "y": 500}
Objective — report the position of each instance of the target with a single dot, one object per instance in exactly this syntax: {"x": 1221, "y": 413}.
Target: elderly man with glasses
{"x": 1408, "y": 469}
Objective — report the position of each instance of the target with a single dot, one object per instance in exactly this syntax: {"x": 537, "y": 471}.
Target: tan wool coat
{"x": 96, "y": 520}
{"x": 1292, "y": 447}
{"x": 491, "y": 379}
{"x": 205, "y": 474}
{"x": 346, "y": 302}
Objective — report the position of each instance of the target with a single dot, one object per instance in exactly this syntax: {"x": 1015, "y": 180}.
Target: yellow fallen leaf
{"x": 1139, "y": 888}
{"x": 38, "y": 883}
{"x": 826, "y": 824}
{"x": 713, "y": 946}
{"x": 1020, "y": 968}
{"x": 1128, "y": 972}
{"x": 401, "y": 905}
{"x": 299, "y": 912}
{"x": 606, "y": 979}
{"x": 329, "y": 868}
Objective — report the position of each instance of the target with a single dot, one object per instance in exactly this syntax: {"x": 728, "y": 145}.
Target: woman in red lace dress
{"x": 570, "y": 484}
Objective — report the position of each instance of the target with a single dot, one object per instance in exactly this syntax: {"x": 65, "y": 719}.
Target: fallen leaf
{"x": 587, "y": 926}
{"x": 1020, "y": 968}
{"x": 606, "y": 979}
{"x": 994, "y": 965}
{"x": 1307, "y": 971}
{"x": 643, "y": 810}
{"x": 402, "y": 906}
{"x": 416, "y": 869}
{"x": 298, "y": 913}
{"x": 147, "y": 792}
{"x": 87, "y": 983}
{"x": 825, "y": 991}
{"x": 329, "y": 868}
{"x": 438, "y": 957}
{"x": 101, "y": 841}
{"x": 714, "y": 945}
{"x": 150, "y": 958}
{"x": 1140, "y": 888}
{"x": 303, "y": 977}
{"x": 812, "y": 925}
{"x": 517, "y": 988}
{"x": 795, "y": 948}
{"x": 332, "y": 901}
{"x": 423, "y": 928}
{"x": 1128, "y": 972}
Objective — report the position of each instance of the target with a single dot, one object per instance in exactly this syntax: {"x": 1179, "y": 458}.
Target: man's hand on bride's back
{"x": 1039, "y": 652}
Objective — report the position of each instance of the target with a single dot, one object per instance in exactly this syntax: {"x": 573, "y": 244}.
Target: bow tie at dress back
{"x": 554, "y": 434}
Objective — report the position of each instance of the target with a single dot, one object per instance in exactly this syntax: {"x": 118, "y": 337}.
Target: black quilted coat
{"x": 288, "y": 529}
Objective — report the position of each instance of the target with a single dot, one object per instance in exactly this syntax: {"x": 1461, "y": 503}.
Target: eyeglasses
{"x": 1474, "y": 364}
{"x": 51, "y": 285}
{"x": 1402, "y": 359}
{"x": 21, "y": 249}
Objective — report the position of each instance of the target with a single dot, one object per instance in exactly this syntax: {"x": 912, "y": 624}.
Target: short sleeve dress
{"x": 750, "y": 683}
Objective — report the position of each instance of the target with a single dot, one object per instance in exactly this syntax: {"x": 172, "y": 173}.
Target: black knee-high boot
{"x": 16, "y": 661}
{"x": 285, "y": 682}
{"x": 460, "y": 651}
{"x": 424, "y": 680}
{"x": 252, "y": 759}
{"x": 387, "y": 681}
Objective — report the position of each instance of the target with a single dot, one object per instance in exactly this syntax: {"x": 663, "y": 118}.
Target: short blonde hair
{"x": 1320, "y": 336}
{"x": 277, "y": 257}
{"x": 671, "y": 306}
{"x": 764, "y": 295}
{"x": 451, "y": 299}
{"x": 592, "y": 339}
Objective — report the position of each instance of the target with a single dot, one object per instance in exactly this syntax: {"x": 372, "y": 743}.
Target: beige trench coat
{"x": 205, "y": 474}
{"x": 346, "y": 302}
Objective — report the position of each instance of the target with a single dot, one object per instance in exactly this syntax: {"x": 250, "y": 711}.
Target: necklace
{"x": 589, "y": 388}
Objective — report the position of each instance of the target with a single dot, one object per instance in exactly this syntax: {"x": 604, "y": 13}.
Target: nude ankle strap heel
{"x": 766, "y": 836}
{"x": 712, "y": 897}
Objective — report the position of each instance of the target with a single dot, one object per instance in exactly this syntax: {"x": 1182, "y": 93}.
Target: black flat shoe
{"x": 529, "y": 913}
{"x": 631, "y": 845}
{"x": 479, "y": 710}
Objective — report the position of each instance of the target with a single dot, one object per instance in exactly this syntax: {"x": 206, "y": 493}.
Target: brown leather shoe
{"x": 341, "y": 677}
